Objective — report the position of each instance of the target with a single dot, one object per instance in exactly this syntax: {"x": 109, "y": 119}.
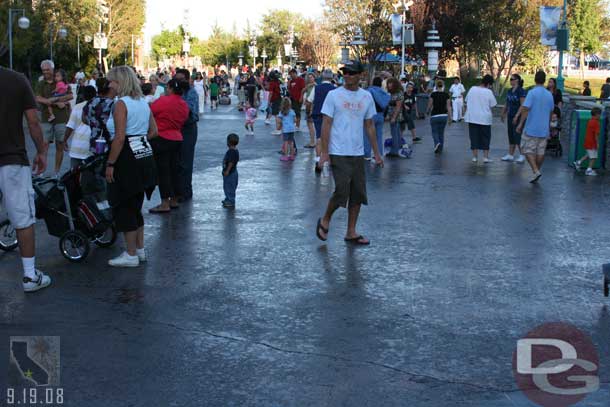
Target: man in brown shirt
{"x": 54, "y": 130}
{"x": 17, "y": 99}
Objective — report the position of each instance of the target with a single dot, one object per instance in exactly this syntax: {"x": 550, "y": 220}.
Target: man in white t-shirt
{"x": 347, "y": 110}
{"x": 457, "y": 99}
{"x": 479, "y": 116}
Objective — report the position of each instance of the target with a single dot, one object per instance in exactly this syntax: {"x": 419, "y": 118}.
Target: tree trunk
{"x": 582, "y": 65}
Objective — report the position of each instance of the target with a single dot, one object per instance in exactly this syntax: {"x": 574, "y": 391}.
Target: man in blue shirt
{"x": 536, "y": 115}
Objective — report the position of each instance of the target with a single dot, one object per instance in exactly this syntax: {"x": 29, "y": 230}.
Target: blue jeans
{"x": 229, "y": 184}
{"x": 396, "y": 136}
{"x": 378, "y": 120}
{"x": 438, "y": 129}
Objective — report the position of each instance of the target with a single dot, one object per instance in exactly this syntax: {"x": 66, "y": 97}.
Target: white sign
{"x": 100, "y": 41}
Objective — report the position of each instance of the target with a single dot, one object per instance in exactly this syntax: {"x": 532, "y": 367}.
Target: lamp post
{"x": 62, "y": 33}
{"x": 23, "y": 23}
{"x": 288, "y": 44}
{"x": 241, "y": 58}
{"x": 279, "y": 59}
{"x": 404, "y": 27}
{"x": 264, "y": 56}
{"x": 432, "y": 44}
{"x": 253, "y": 51}
{"x": 563, "y": 35}
{"x": 356, "y": 41}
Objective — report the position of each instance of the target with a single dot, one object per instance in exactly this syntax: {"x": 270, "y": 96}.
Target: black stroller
{"x": 553, "y": 144}
{"x": 75, "y": 214}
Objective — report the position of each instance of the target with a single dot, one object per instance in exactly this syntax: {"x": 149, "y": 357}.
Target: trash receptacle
{"x": 422, "y": 104}
{"x": 578, "y": 131}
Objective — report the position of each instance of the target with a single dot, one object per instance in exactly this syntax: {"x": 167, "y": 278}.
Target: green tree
{"x": 585, "y": 21}
{"x": 276, "y": 27}
{"x": 33, "y": 45}
{"x": 126, "y": 19}
{"x": 167, "y": 44}
{"x": 370, "y": 17}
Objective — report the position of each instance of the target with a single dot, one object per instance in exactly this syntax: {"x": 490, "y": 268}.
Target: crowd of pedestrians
{"x": 148, "y": 130}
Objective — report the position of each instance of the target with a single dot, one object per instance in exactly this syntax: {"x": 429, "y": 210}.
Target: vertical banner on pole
{"x": 549, "y": 23}
{"x": 396, "y": 29}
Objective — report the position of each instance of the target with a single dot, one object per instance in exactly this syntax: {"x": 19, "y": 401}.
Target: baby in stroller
{"x": 75, "y": 209}
{"x": 553, "y": 144}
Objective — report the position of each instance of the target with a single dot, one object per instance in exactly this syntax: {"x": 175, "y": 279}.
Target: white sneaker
{"x": 590, "y": 172}
{"x": 267, "y": 121}
{"x": 520, "y": 159}
{"x": 576, "y": 165}
{"x": 474, "y": 159}
{"x": 487, "y": 160}
{"x": 124, "y": 260}
{"x": 141, "y": 253}
{"x": 40, "y": 281}
{"x": 535, "y": 177}
{"x": 508, "y": 157}
{"x": 276, "y": 132}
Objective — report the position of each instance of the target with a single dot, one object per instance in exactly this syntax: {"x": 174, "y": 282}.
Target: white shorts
{"x": 18, "y": 195}
{"x": 592, "y": 154}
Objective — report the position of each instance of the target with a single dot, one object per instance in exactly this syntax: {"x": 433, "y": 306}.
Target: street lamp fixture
{"x": 23, "y": 23}
{"x": 264, "y": 56}
{"x": 358, "y": 40}
{"x": 62, "y": 33}
{"x": 241, "y": 58}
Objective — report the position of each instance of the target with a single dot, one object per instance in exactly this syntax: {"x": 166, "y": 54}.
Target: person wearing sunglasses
{"x": 347, "y": 111}
{"x": 514, "y": 99}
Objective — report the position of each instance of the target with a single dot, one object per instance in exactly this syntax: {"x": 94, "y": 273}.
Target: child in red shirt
{"x": 591, "y": 142}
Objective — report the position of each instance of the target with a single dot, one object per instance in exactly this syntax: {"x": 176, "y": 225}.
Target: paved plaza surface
{"x": 246, "y": 307}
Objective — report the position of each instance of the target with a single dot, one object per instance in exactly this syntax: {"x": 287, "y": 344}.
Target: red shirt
{"x": 274, "y": 91}
{"x": 170, "y": 113}
{"x": 593, "y": 129}
{"x": 295, "y": 87}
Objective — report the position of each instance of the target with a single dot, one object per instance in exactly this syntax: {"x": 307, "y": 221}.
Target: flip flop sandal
{"x": 157, "y": 211}
{"x": 318, "y": 227}
{"x": 358, "y": 240}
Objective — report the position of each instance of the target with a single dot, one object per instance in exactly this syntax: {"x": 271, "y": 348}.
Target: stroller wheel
{"x": 74, "y": 246}
{"x": 8, "y": 236}
{"x": 107, "y": 238}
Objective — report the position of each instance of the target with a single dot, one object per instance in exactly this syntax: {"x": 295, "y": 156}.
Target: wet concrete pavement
{"x": 248, "y": 308}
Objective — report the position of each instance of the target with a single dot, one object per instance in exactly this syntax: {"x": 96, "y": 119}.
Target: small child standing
{"x": 229, "y": 171}
{"x": 214, "y": 89}
{"x": 250, "y": 119}
{"x": 61, "y": 89}
{"x": 591, "y": 142}
{"x": 287, "y": 126}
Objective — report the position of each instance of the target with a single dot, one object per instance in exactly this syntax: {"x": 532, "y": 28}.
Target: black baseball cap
{"x": 353, "y": 66}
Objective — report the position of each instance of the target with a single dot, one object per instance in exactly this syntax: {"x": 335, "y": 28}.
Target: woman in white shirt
{"x": 199, "y": 85}
{"x": 479, "y": 116}
{"x": 130, "y": 169}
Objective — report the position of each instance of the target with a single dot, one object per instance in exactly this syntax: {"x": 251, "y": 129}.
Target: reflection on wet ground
{"x": 248, "y": 308}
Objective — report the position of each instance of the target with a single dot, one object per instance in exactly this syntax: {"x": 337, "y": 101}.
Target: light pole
{"x": 432, "y": 44}
{"x": 253, "y": 51}
{"x": 288, "y": 45}
{"x": 241, "y": 58}
{"x": 62, "y": 33}
{"x": 405, "y": 7}
{"x": 264, "y": 56}
{"x": 563, "y": 36}
{"x": 23, "y": 23}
